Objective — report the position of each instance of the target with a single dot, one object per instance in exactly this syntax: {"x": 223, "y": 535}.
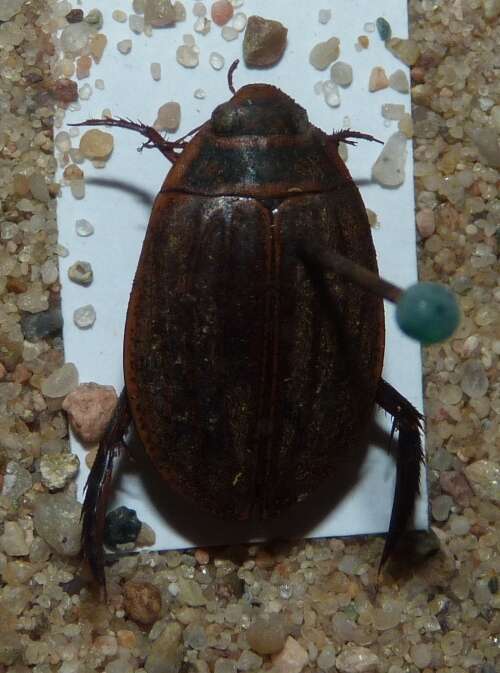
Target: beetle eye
{"x": 259, "y": 110}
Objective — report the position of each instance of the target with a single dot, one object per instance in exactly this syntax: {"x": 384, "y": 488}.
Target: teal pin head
{"x": 428, "y": 312}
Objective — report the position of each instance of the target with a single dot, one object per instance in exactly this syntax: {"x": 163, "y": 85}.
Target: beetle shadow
{"x": 200, "y": 528}
{"x": 144, "y": 196}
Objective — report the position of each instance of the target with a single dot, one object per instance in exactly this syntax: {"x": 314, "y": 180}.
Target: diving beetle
{"x": 254, "y": 337}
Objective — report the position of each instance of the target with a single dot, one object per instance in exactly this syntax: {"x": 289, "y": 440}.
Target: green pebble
{"x": 428, "y": 312}
{"x": 384, "y": 28}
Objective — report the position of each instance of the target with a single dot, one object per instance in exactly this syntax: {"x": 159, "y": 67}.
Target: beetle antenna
{"x": 230, "y": 74}
{"x": 343, "y": 136}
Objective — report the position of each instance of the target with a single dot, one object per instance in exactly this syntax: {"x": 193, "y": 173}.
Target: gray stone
{"x": 57, "y": 521}
{"x": 17, "y": 480}
{"x": 39, "y": 325}
{"x": 167, "y": 652}
{"x": 389, "y": 169}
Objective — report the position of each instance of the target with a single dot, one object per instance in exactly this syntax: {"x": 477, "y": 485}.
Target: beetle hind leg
{"x": 408, "y": 424}
{"x": 97, "y": 488}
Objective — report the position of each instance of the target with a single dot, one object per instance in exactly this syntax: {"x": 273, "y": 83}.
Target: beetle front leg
{"x": 97, "y": 488}
{"x": 407, "y": 421}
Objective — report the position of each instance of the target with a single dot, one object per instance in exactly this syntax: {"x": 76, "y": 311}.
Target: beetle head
{"x": 259, "y": 110}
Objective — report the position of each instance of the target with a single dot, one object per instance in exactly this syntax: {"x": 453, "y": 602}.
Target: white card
{"x": 118, "y": 202}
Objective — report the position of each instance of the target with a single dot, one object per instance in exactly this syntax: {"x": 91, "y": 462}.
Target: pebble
{"x": 119, "y": 15}
{"x": 187, "y": 56}
{"x": 325, "y": 53}
{"x": 81, "y": 273}
{"x": 11, "y": 646}
{"x": 84, "y": 228}
{"x": 106, "y": 646}
{"x": 121, "y": 526}
{"x": 57, "y": 521}
{"x": 200, "y": 94}
{"x": 486, "y": 140}
{"x": 167, "y": 651}
{"x": 155, "y": 69}
{"x": 216, "y": 60}
{"x": 229, "y": 33}
{"x": 426, "y": 223}
{"x": 199, "y": 9}
{"x": 264, "y": 42}
{"x": 158, "y": 13}
{"x": 363, "y": 41}
{"x": 65, "y": 90}
{"x": 459, "y": 525}
{"x": 136, "y": 23}
{"x": 331, "y": 94}
{"x": 407, "y": 51}
{"x": 441, "y": 507}
{"x": 239, "y": 22}
{"x": 291, "y": 659}
{"x": 383, "y": 28}
{"x": 389, "y": 168}
{"x": 142, "y": 602}
{"x": 95, "y": 144}
{"x": 98, "y": 43}
{"x": 84, "y": 317}
{"x": 341, "y": 73}
{"x": 474, "y": 381}
{"x": 38, "y": 187}
{"x": 33, "y": 301}
{"x": 74, "y": 38}
{"x": 267, "y": 636}
{"x": 39, "y": 325}
{"x": 221, "y": 12}
{"x": 324, "y": 16}
{"x": 146, "y": 537}
{"x": 249, "y": 661}
{"x": 10, "y": 8}
{"x": 378, "y": 79}
{"x": 202, "y": 25}
{"x": 16, "y": 480}
{"x": 61, "y": 381}
{"x": 326, "y": 658}
{"x": 421, "y": 655}
{"x": 452, "y": 643}
{"x": 168, "y": 117}
{"x": 387, "y": 617}
{"x": 13, "y": 539}
{"x": 399, "y": 81}
{"x": 57, "y": 469}
{"x": 95, "y": 19}
{"x": 356, "y": 660}
{"x": 190, "y": 593}
{"x": 194, "y": 636}
{"x": 405, "y": 125}
{"x": 124, "y": 46}
{"x": 455, "y": 484}
{"x": 484, "y": 477}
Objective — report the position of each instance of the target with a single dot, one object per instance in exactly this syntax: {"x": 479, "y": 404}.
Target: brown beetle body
{"x": 249, "y": 374}
{"x": 253, "y": 393}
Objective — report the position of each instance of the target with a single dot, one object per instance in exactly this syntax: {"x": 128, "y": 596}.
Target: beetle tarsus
{"x": 344, "y": 135}
{"x": 169, "y": 148}
{"x": 230, "y": 74}
{"x": 97, "y": 489}
{"x": 408, "y": 424}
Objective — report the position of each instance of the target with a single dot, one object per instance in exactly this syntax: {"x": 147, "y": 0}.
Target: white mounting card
{"x": 118, "y": 201}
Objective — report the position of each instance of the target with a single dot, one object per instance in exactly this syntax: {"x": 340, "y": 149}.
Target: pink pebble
{"x": 89, "y": 409}
{"x": 221, "y": 11}
{"x": 426, "y": 224}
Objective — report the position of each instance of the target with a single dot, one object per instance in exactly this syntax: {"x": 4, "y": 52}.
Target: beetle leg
{"x": 344, "y": 134}
{"x": 154, "y": 139}
{"x": 408, "y": 422}
{"x": 97, "y": 488}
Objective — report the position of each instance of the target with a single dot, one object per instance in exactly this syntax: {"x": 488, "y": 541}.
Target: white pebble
{"x": 199, "y": 9}
{"x": 331, "y": 94}
{"x": 369, "y": 27}
{"x": 389, "y": 168}
{"x": 136, "y": 23}
{"x": 124, "y": 46}
{"x": 84, "y": 228}
{"x": 119, "y": 15}
{"x": 99, "y": 84}
{"x": 189, "y": 40}
{"x": 229, "y": 33}
{"x": 85, "y": 92}
{"x": 216, "y": 60}
{"x": 202, "y": 25}
{"x": 62, "y": 141}
{"x": 187, "y": 56}
{"x": 324, "y": 16}
{"x": 239, "y": 21}
{"x": 341, "y": 73}
{"x": 85, "y": 316}
{"x": 200, "y": 94}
